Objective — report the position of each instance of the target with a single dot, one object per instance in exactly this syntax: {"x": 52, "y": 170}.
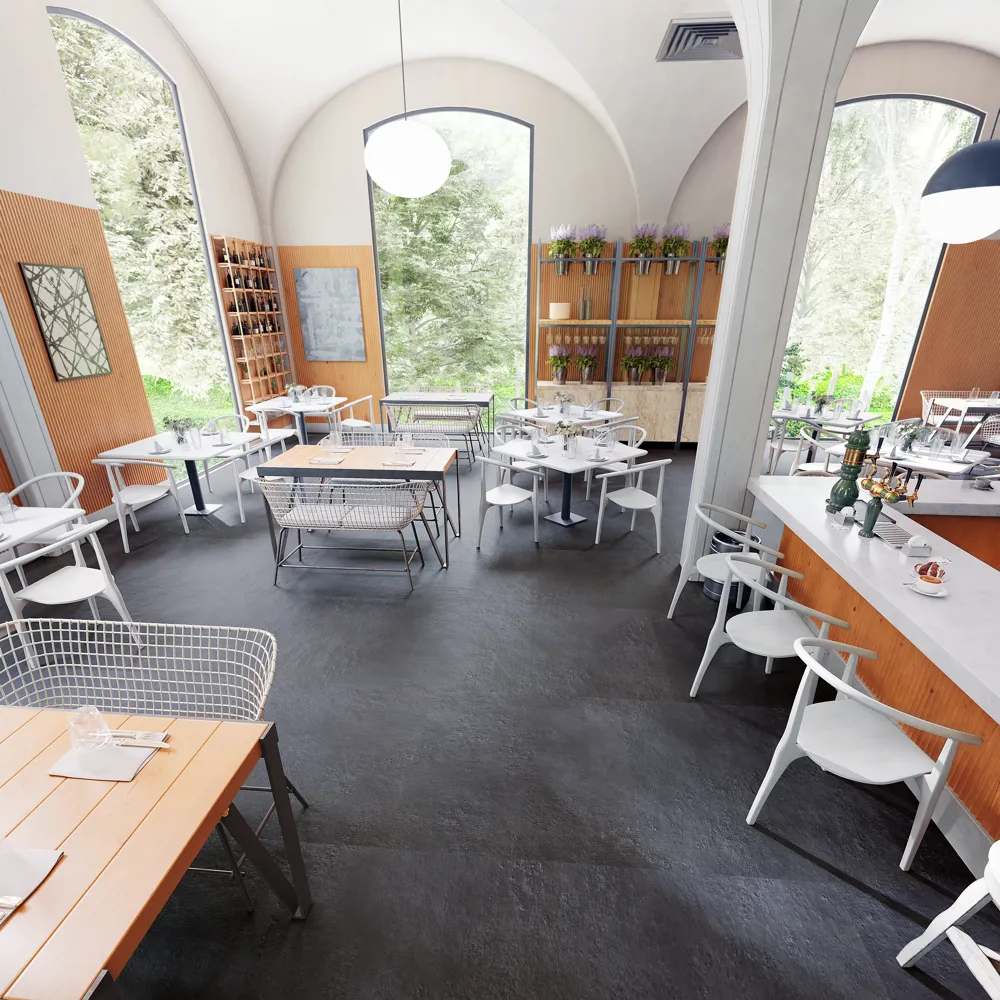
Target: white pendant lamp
{"x": 961, "y": 200}
{"x": 405, "y": 157}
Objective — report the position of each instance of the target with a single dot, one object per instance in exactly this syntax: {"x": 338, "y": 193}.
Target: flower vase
{"x": 634, "y": 375}
{"x": 673, "y": 265}
{"x": 642, "y": 264}
{"x": 590, "y": 263}
{"x": 562, "y": 263}
{"x": 659, "y": 376}
{"x": 720, "y": 265}
{"x": 559, "y": 376}
{"x": 564, "y": 408}
{"x": 587, "y": 375}
{"x": 180, "y": 436}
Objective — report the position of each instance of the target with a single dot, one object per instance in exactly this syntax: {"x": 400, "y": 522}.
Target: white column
{"x": 796, "y": 52}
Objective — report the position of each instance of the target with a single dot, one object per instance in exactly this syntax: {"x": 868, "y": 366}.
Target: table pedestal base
{"x": 204, "y": 512}
{"x": 566, "y": 522}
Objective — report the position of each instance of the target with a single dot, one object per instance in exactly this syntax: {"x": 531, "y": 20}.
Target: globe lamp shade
{"x": 407, "y": 158}
{"x": 961, "y": 201}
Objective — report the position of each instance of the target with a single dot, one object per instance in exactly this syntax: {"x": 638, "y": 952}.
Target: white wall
{"x": 932, "y": 69}
{"x": 41, "y": 154}
{"x": 321, "y": 194}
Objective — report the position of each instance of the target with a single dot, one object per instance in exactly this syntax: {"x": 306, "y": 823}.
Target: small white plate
{"x": 941, "y": 591}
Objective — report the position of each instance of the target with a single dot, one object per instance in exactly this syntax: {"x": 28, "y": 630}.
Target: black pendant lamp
{"x": 961, "y": 201}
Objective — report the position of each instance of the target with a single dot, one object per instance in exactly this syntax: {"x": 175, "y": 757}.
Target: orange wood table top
{"x": 369, "y": 460}
{"x": 126, "y": 844}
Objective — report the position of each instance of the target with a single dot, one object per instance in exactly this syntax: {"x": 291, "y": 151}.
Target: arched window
{"x": 131, "y": 135}
{"x": 869, "y": 264}
{"x": 453, "y": 267}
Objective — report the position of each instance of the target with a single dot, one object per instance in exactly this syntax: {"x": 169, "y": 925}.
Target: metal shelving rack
{"x": 613, "y": 323}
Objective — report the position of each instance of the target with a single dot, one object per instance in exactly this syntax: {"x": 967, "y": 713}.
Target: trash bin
{"x": 713, "y": 590}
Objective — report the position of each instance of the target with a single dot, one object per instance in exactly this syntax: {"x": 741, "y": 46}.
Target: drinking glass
{"x": 407, "y": 441}
{"x": 87, "y": 729}
{"x": 195, "y": 437}
{"x": 7, "y": 512}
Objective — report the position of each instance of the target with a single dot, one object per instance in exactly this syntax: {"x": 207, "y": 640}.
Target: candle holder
{"x": 890, "y": 489}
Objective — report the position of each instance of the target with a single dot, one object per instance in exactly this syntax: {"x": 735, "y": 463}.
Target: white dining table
{"x": 299, "y": 409}
{"x": 568, "y": 462}
{"x": 920, "y": 463}
{"x": 190, "y": 454}
{"x": 977, "y": 406}
{"x": 30, "y": 522}
{"x": 843, "y": 422}
{"x": 552, "y": 414}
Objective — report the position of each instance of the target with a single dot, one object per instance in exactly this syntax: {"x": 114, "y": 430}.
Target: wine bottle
{"x": 224, "y": 257}
{"x": 232, "y": 307}
{"x": 229, "y": 280}
{"x": 256, "y": 281}
{"x": 237, "y": 280}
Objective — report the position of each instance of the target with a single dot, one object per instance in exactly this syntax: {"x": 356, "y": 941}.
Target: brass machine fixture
{"x": 891, "y": 488}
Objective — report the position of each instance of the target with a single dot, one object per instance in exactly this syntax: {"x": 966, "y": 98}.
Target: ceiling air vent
{"x": 700, "y": 38}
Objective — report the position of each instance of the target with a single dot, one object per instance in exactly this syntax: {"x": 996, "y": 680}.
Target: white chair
{"x": 236, "y": 423}
{"x": 609, "y": 404}
{"x": 128, "y": 498}
{"x": 634, "y": 498}
{"x": 857, "y": 737}
{"x": 982, "y": 962}
{"x": 631, "y": 435}
{"x": 507, "y": 429}
{"x": 713, "y": 566}
{"x": 505, "y": 494}
{"x": 70, "y": 486}
{"x": 821, "y": 439}
{"x": 68, "y": 584}
{"x": 522, "y": 403}
{"x": 770, "y": 634}
{"x": 351, "y": 422}
{"x": 269, "y": 435}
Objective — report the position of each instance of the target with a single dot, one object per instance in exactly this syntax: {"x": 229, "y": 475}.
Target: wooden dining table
{"x": 125, "y": 845}
{"x": 307, "y": 461}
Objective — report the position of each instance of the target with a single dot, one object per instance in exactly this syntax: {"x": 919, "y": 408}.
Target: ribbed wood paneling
{"x": 979, "y": 536}
{"x": 903, "y": 677}
{"x": 6, "y": 479}
{"x": 959, "y": 346}
{"x": 353, "y": 379}
{"x": 87, "y": 415}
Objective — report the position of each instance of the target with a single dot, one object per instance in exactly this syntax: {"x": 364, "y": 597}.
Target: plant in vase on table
{"x": 635, "y": 362}
{"x": 592, "y": 239}
{"x": 643, "y": 245}
{"x": 562, "y": 245}
{"x": 676, "y": 243}
{"x": 569, "y": 432}
{"x": 296, "y": 392}
{"x": 586, "y": 361}
{"x": 180, "y": 426}
{"x": 559, "y": 355}
{"x": 565, "y": 400}
{"x": 661, "y": 360}
{"x": 719, "y": 246}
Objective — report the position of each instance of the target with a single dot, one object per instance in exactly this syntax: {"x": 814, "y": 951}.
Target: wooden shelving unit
{"x": 255, "y": 318}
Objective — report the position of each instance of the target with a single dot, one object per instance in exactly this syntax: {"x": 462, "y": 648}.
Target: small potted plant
{"x": 295, "y": 392}
{"x": 569, "y": 432}
{"x": 565, "y": 401}
{"x": 562, "y": 246}
{"x": 559, "y": 355}
{"x": 676, "y": 243}
{"x": 586, "y": 361}
{"x": 661, "y": 360}
{"x": 181, "y": 427}
{"x": 719, "y": 246}
{"x": 643, "y": 245}
{"x": 635, "y": 363}
{"x": 592, "y": 239}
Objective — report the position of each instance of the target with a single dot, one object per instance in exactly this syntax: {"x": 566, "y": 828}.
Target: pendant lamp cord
{"x": 402, "y": 66}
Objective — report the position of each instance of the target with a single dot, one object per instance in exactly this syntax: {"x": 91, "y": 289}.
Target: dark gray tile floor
{"x": 512, "y": 795}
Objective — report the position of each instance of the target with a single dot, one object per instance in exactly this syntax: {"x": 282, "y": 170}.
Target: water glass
{"x": 87, "y": 729}
{"x": 407, "y": 441}
{"x": 194, "y": 435}
{"x": 223, "y": 435}
{"x": 7, "y": 511}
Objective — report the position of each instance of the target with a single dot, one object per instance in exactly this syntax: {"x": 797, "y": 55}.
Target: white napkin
{"x": 110, "y": 763}
{"x": 22, "y": 871}
{"x": 405, "y": 464}
{"x": 326, "y": 460}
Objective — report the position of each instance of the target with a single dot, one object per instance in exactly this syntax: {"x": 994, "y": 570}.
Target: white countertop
{"x": 957, "y": 497}
{"x": 958, "y": 632}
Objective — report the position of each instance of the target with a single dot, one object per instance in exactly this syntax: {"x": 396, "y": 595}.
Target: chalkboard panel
{"x": 330, "y": 313}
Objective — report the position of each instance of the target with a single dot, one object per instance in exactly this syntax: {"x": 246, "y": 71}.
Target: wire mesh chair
{"x": 933, "y": 413}
{"x": 462, "y": 421}
{"x": 346, "y": 505}
{"x": 140, "y": 668}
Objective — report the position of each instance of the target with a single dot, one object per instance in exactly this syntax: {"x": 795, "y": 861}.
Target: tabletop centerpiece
{"x": 565, "y": 400}
{"x": 592, "y": 239}
{"x": 181, "y": 427}
{"x": 559, "y": 355}
{"x": 570, "y": 433}
{"x": 676, "y": 243}
{"x": 643, "y": 245}
{"x": 562, "y": 246}
{"x": 296, "y": 392}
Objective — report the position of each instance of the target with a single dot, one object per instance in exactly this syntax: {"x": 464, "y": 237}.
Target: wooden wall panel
{"x": 6, "y": 479}
{"x": 353, "y": 379}
{"x": 979, "y": 536}
{"x": 903, "y": 677}
{"x": 87, "y": 415}
{"x": 959, "y": 346}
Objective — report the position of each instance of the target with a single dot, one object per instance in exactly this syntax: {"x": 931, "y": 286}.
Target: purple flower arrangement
{"x": 661, "y": 357}
{"x": 562, "y": 241}
{"x": 643, "y": 243}
{"x": 635, "y": 357}
{"x": 676, "y": 240}
{"x": 591, "y": 239}
{"x": 720, "y": 241}
{"x": 559, "y": 356}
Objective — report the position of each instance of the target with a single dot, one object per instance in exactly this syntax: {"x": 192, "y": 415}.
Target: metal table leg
{"x": 445, "y": 515}
{"x": 300, "y": 425}
{"x": 565, "y": 516}
{"x": 104, "y": 988}
{"x": 294, "y": 894}
{"x": 198, "y": 507}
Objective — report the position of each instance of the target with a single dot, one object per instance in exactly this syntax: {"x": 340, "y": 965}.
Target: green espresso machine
{"x": 845, "y": 490}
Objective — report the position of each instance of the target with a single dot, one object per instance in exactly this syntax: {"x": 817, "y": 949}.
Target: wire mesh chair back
{"x": 441, "y": 419}
{"x": 189, "y": 671}
{"x": 348, "y": 505}
{"x": 990, "y": 431}
{"x": 930, "y": 410}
